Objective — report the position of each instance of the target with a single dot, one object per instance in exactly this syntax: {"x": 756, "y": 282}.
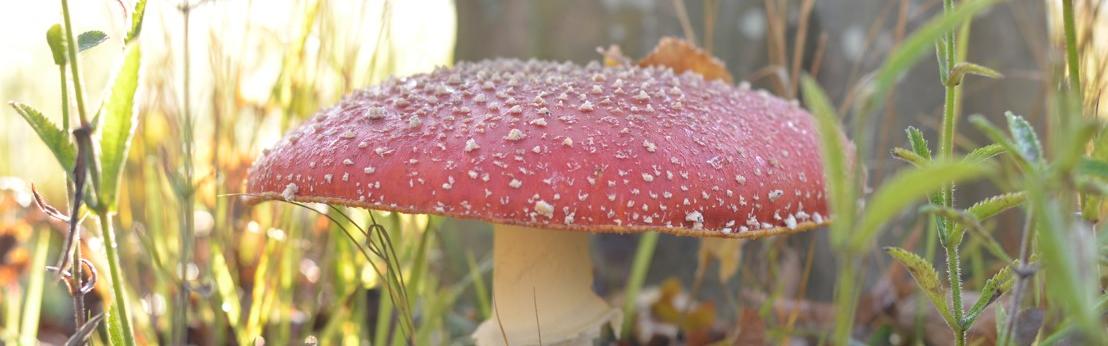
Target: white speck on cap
{"x": 544, "y": 209}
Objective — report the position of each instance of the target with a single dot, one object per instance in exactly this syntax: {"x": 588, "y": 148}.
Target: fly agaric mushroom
{"x": 548, "y": 152}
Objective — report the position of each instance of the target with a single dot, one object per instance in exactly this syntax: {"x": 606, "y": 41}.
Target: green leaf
{"x": 839, "y": 185}
{"x": 910, "y": 50}
{"x": 1024, "y": 137}
{"x": 994, "y": 287}
{"x": 89, "y": 39}
{"x": 54, "y": 138}
{"x": 904, "y": 189}
{"x": 961, "y": 69}
{"x": 983, "y": 154}
{"x": 999, "y": 138}
{"x": 55, "y": 37}
{"x": 918, "y": 142}
{"x": 996, "y": 204}
{"x": 136, "y": 21}
{"x": 909, "y": 157}
{"x": 940, "y": 54}
{"x": 119, "y": 124}
{"x": 926, "y": 277}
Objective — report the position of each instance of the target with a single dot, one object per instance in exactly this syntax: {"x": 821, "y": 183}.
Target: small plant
{"x": 1049, "y": 198}
{"x": 94, "y": 170}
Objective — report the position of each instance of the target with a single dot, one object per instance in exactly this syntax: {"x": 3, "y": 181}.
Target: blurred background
{"x": 258, "y": 68}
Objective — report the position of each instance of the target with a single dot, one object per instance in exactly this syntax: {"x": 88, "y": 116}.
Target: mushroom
{"x": 548, "y": 152}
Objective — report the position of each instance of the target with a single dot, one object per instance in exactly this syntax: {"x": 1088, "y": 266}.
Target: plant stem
{"x": 640, "y": 265}
{"x": 71, "y": 48}
{"x": 1022, "y": 274}
{"x": 954, "y": 275}
{"x": 185, "y": 195}
{"x": 845, "y": 300}
{"x": 119, "y": 305}
{"x": 1072, "y": 62}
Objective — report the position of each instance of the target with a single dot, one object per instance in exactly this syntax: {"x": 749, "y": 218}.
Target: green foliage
{"x": 840, "y": 189}
{"x": 991, "y": 206}
{"x": 905, "y": 188}
{"x": 137, "y": 16}
{"x": 1024, "y": 138}
{"x": 962, "y": 69}
{"x": 912, "y": 48}
{"x": 984, "y": 153}
{"x": 119, "y": 123}
{"x": 997, "y": 285}
{"x": 55, "y": 38}
{"x": 918, "y": 142}
{"x": 90, "y": 39}
{"x": 55, "y": 139}
{"x": 927, "y": 279}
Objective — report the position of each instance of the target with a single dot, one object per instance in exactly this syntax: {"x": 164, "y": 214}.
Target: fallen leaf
{"x": 681, "y": 56}
{"x": 727, "y": 251}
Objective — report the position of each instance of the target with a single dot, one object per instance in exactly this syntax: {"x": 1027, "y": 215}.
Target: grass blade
{"x": 119, "y": 124}
{"x": 839, "y": 185}
{"x": 905, "y": 188}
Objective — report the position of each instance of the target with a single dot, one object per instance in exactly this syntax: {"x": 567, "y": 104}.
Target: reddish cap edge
{"x": 256, "y": 198}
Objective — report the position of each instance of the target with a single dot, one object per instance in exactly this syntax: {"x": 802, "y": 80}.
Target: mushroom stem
{"x": 542, "y": 290}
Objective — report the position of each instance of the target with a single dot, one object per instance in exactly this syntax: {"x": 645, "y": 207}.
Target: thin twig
{"x": 686, "y": 24}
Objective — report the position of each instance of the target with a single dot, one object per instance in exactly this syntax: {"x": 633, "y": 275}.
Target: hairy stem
{"x": 954, "y": 275}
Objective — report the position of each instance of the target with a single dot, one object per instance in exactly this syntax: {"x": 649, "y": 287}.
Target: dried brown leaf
{"x": 681, "y": 56}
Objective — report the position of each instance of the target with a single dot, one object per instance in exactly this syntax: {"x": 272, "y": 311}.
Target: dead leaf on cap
{"x": 681, "y": 56}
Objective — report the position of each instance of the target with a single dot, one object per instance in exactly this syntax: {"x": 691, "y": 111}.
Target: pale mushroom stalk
{"x": 542, "y": 287}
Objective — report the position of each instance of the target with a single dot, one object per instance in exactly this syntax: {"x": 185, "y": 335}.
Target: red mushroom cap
{"x": 560, "y": 146}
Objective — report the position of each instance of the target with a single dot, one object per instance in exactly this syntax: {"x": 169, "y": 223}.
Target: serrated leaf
{"x": 55, "y": 139}
{"x": 1024, "y": 137}
{"x": 961, "y": 69}
{"x": 136, "y": 21}
{"x": 918, "y": 142}
{"x": 839, "y": 185}
{"x": 909, "y": 157}
{"x": 999, "y": 138}
{"x": 906, "y": 188}
{"x": 996, "y": 204}
{"x": 982, "y": 154}
{"x": 89, "y": 39}
{"x": 996, "y": 286}
{"x": 119, "y": 123}
{"x": 55, "y": 38}
{"x": 926, "y": 278}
